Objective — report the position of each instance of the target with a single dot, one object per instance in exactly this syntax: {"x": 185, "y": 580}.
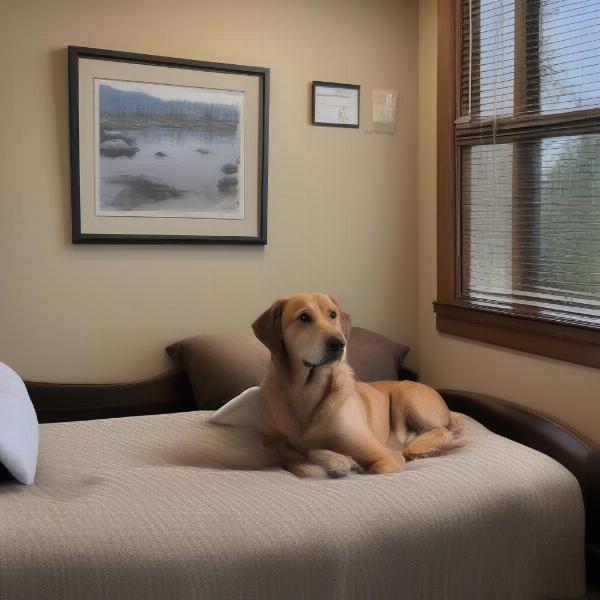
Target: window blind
{"x": 528, "y": 146}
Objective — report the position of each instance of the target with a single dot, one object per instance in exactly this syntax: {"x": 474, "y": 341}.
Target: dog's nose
{"x": 335, "y": 344}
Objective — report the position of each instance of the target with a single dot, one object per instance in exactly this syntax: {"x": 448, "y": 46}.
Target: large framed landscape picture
{"x": 167, "y": 150}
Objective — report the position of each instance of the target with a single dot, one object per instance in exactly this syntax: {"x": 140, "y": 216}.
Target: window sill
{"x": 564, "y": 341}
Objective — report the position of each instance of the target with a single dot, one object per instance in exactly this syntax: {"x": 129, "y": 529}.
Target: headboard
{"x": 165, "y": 393}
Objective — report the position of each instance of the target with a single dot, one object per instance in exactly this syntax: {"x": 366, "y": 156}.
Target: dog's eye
{"x": 305, "y": 318}
{"x": 333, "y": 314}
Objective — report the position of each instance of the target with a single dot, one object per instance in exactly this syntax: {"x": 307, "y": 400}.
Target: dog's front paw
{"x": 356, "y": 468}
{"x": 351, "y": 467}
{"x": 336, "y": 465}
{"x": 337, "y": 474}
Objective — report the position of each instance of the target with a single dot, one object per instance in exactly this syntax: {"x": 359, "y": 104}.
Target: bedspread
{"x": 171, "y": 506}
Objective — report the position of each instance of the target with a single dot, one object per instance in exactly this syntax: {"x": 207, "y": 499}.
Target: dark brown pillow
{"x": 375, "y": 357}
{"x": 220, "y": 367}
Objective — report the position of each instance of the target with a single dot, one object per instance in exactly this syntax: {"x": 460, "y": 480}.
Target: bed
{"x": 139, "y": 496}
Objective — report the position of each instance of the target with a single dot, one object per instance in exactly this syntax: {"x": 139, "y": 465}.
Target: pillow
{"x": 19, "y": 430}
{"x": 375, "y": 357}
{"x": 242, "y": 410}
{"x": 220, "y": 367}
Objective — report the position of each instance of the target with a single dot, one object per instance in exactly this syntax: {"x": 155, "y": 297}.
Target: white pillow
{"x": 243, "y": 410}
{"x": 19, "y": 429}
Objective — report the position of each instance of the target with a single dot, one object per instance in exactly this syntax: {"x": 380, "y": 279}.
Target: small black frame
{"x": 335, "y": 85}
{"x": 78, "y": 237}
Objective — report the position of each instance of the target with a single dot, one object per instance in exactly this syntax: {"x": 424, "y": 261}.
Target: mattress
{"x": 172, "y": 506}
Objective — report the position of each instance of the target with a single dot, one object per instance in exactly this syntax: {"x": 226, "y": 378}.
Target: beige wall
{"x": 568, "y": 392}
{"x": 342, "y": 204}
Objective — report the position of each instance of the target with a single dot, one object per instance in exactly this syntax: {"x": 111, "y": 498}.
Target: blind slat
{"x": 557, "y": 53}
{"x": 544, "y": 253}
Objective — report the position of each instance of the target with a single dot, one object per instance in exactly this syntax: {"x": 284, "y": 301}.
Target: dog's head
{"x": 310, "y": 329}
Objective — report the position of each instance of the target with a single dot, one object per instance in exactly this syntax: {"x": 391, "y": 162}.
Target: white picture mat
{"x": 91, "y": 69}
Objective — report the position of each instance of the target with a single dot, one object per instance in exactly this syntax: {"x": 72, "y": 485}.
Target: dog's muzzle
{"x": 335, "y": 346}
{"x": 333, "y": 351}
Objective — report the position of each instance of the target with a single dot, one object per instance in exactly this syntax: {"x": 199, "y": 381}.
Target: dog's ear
{"x": 344, "y": 317}
{"x": 267, "y": 328}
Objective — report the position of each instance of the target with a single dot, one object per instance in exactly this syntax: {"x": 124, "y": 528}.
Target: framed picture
{"x": 335, "y": 104}
{"x": 167, "y": 150}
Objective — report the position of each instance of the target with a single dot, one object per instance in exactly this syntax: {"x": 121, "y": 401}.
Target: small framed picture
{"x": 335, "y": 104}
{"x": 167, "y": 150}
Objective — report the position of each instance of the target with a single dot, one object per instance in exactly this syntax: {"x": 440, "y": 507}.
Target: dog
{"x": 317, "y": 418}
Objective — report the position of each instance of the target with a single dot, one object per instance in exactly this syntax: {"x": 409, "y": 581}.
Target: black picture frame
{"x": 331, "y": 84}
{"x": 75, "y": 53}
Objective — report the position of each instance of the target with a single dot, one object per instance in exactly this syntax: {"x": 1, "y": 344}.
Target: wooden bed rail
{"x": 165, "y": 393}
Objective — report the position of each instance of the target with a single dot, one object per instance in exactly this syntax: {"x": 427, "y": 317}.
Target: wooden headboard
{"x": 165, "y": 393}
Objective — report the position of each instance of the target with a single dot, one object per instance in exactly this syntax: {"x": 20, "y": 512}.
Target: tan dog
{"x": 315, "y": 413}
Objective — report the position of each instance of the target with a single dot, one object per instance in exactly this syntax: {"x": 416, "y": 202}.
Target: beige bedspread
{"x": 142, "y": 508}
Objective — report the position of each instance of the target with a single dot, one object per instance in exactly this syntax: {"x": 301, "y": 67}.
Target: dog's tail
{"x": 436, "y": 441}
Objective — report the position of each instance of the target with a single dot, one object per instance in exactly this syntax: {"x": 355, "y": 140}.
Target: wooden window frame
{"x": 529, "y": 332}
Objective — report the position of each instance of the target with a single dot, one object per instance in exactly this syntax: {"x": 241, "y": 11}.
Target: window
{"x": 519, "y": 174}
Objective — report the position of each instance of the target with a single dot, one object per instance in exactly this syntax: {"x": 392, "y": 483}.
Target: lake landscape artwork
{"x": 168, "y": 150}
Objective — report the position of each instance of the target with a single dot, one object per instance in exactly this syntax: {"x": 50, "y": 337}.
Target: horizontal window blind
{"x": 528, "y": 145}
{"x": 529, "y": 57}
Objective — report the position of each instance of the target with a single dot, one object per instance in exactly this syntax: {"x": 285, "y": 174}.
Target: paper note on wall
{"x": 384, "y": 110}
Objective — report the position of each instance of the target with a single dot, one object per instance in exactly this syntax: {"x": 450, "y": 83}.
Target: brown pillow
{"x": 220, "y": 367}
{"x": 375, "y": 357}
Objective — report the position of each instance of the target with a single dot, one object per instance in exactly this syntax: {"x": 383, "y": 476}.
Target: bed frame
{"x": 171, "y": 392}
